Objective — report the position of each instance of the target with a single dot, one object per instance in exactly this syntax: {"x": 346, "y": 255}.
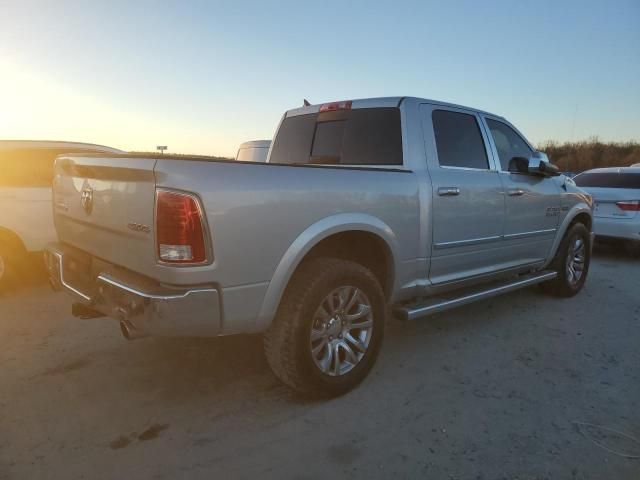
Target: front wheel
{"x": 571, "y": 262}
{"x": 328, "y": 329}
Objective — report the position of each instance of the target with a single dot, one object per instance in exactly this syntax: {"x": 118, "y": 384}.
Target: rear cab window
{"x": 363, "y": 136}
{"x": 608, "y": 180}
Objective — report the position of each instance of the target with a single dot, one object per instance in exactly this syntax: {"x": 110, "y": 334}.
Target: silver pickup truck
{"x": 363, "y": 208}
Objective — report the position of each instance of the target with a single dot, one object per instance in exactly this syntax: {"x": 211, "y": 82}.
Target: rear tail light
{"x": 332, "y": 107}
{"x": 179, "y": 228}
{"x": 629, "y": 205}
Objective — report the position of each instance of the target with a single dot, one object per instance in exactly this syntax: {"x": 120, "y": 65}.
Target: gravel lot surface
{"x": 522, "y": 386}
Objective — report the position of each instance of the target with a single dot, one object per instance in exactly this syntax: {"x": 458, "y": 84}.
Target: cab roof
{"x": 381, "y": 102}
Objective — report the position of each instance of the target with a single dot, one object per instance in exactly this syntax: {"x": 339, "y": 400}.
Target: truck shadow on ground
{"x": 191, "y": 371}
{"x": 233, "y": 370}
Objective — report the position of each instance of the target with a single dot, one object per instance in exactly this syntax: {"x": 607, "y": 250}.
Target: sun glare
{"x": 36, "y": 107}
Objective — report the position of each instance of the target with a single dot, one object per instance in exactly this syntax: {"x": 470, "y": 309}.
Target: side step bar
{"x": 435, "y": 305}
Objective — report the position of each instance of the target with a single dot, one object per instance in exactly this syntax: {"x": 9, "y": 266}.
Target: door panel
{"x": 468, "y": 203}
{"x": 532, "y": 215}
{"x": 532, "y": 202}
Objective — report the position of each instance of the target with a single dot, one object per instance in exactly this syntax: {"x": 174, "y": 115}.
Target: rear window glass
{"x": 368, "y": 136}
{"x": 458, "y": 140}
{"x": 608, "y": 180}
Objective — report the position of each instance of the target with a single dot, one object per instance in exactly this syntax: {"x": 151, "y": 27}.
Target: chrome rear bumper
{"x": 145, "y": 307}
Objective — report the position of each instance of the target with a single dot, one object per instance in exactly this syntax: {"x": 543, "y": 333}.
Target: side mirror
{"x": 538, "y": 164}
{"x": 519, "y": 165}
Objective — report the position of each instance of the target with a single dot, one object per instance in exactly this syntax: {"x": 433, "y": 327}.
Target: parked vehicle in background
{"x": 253, "y": 151}
{"x": 26, "y": 173}
{"x": 362, "y": 205}
{"x": 616, "y": 196}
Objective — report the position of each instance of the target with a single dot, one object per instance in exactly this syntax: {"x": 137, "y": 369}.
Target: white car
{"x": 253, "y": 151}
{"x": 26, "y": 219}
{"x": 616, "y": 195}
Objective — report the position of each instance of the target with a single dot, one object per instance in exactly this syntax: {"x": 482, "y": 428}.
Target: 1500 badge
{"x": 138, "y": 227}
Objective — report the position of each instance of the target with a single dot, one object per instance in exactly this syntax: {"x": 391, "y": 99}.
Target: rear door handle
{"x": 448, "y": 191}
{"x": 516, "y": 192}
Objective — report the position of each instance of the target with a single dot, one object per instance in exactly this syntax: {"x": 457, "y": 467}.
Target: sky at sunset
{"x": 202, "y": 77}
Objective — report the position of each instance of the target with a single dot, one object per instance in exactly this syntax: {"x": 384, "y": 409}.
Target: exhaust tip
{"x": 125, "y": 330}
{"x": 129, "y": 331}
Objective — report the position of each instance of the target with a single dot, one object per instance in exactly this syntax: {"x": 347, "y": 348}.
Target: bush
{"x": 592, "y": 153}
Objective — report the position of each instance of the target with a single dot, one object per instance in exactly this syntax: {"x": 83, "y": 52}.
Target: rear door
{"x": 532, "y": 202}
{"x": 468, "y": 201}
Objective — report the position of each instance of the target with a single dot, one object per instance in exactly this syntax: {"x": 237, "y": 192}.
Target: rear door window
{"x": 459, "y": 141}
{"x": 368, "y": 136}
{"x": 608, "y": 180}
{"x": 508, "y": 143}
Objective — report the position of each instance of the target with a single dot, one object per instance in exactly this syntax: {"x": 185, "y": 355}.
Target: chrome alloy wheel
{"x": 575, "y": 260}
{"x": 341, "y": 330}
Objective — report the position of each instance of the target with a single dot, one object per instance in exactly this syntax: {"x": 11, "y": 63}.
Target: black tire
{"x": 562, "y": 285}
{"x": 287, "y": 343}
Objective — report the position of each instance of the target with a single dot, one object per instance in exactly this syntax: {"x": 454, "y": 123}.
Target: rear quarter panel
{"x": 259, "y": 213}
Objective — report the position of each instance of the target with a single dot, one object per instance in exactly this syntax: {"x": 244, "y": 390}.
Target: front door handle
{"x": 448, "y": 191}
{"x": 516, "y": 192}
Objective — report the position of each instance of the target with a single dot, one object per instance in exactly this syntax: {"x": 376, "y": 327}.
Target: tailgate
{"x": 105, "y": 206}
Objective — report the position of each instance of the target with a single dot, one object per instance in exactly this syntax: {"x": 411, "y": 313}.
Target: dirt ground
{"x": 522, "y": 386}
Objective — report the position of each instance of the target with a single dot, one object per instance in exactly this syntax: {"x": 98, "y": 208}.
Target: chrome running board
{"x": 439, "y": 304}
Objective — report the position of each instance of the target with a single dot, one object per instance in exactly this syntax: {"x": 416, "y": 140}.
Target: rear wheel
{"x": 329, "y": 327}
{"x": 571, "y": 262}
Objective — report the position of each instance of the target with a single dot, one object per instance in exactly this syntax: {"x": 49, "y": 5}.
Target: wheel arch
{"x": 335, "y": 236}
{"x": 579, "y": 213}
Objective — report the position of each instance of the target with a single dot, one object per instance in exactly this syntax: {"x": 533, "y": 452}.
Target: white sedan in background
{"x": 26, "y": 218}
{"x": 616, "y": 196}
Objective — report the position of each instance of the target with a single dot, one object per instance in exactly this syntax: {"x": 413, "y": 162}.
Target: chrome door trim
{"x": 533, "y": 233}
{"x": 477, "y": 241}
{"x": 464, "y": 243}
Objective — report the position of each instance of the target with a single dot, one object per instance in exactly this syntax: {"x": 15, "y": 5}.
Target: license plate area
{"x": 77, "y": 270}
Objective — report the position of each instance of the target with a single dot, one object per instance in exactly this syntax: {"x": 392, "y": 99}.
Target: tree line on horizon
{"x": 591, "y": 153}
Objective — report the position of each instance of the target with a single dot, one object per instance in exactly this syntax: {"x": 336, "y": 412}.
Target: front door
{"x": 468, "y": 200}
{"x": 532, "y": 202}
